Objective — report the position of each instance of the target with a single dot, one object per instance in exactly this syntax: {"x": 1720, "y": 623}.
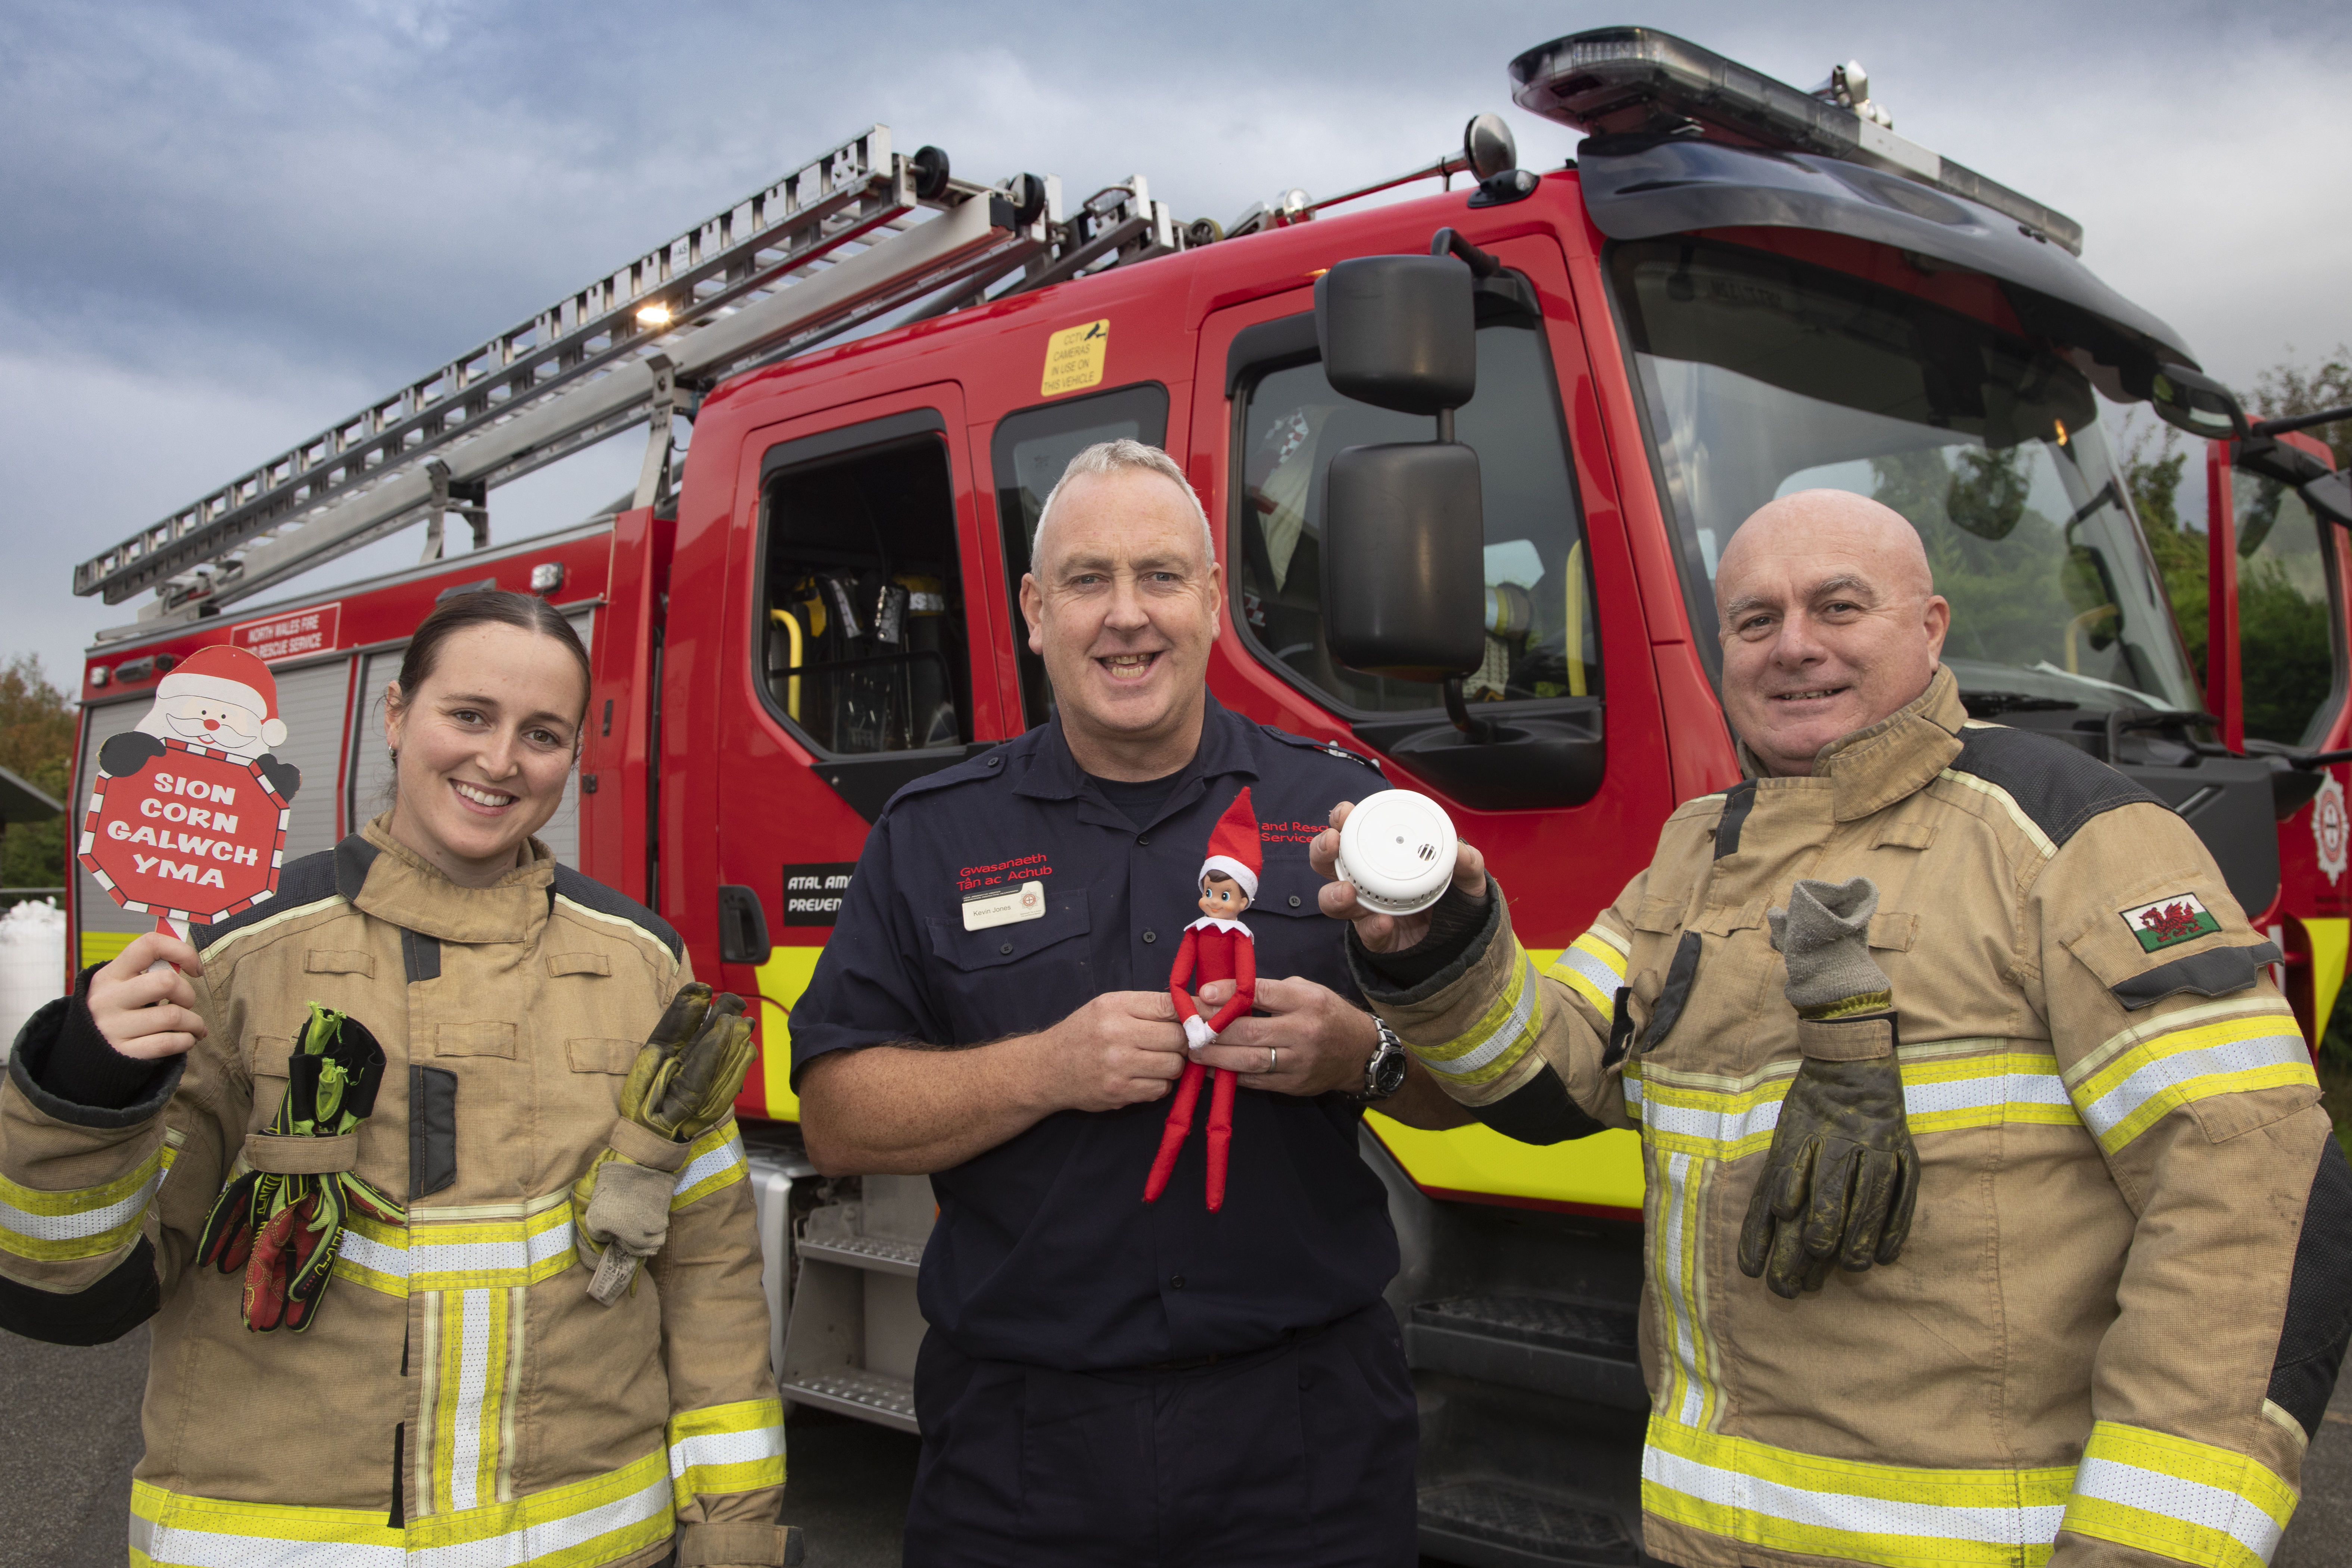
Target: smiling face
{"x": 1831, "y": 622}
{"x": 484, "y": 746}
{"x": 1222, "y": 898}
{"x": 1122, "y": 606}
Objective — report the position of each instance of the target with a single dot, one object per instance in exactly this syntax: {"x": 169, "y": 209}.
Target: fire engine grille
{"x": 1485, "y": 1511}
{"x": 1535, "y": 1321}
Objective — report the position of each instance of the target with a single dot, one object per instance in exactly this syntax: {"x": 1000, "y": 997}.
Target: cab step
{"x": 1573, "y": 1348}
{"x": 1490, "y": 1524}
{"x": 868, "y": 1395}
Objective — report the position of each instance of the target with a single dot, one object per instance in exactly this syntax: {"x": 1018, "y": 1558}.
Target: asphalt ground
{"x": 69, "y": 1435}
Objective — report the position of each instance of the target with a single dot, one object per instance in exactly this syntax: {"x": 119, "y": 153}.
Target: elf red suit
{"x": 1216, "y": 947}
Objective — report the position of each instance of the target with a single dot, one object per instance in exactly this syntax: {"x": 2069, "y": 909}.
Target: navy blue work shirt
{"x": 1045, "y": 1252}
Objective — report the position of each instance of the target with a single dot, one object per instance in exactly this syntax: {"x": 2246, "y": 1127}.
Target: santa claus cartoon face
{"x": 223, "y": 699}
{"x": 209, "y": 721}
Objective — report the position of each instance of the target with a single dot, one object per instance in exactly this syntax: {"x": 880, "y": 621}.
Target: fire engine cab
{"x": 861, "y": 381}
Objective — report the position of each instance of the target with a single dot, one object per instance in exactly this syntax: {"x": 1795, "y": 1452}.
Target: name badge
{"x": 1005, "y": 906}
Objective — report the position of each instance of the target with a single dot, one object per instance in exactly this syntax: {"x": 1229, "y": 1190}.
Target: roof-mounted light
{"x": 1639, "y": 82}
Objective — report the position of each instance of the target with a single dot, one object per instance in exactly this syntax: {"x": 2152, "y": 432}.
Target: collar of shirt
{"x": 1211, "y": 922}
{"x": 1052, "y": 773}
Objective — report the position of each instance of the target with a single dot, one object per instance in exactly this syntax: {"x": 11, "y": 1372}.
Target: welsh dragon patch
{"x": 2174, "y": 919}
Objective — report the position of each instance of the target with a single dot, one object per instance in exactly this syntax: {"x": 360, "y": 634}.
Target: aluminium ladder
{"x": 839, "y": 242}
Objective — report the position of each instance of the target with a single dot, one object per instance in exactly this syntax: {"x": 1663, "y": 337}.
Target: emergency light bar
{"x": 1639, "y": 82}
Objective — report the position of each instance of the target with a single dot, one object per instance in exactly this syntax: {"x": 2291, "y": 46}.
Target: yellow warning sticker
{"x": 1074, "y": 358}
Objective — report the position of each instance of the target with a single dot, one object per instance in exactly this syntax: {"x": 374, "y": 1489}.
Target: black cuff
{"x": 1460, "y": 927}
{"x": 64, "y": 1066}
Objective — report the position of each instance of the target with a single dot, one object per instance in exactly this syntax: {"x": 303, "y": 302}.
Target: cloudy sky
{"x": 227, "y": 225}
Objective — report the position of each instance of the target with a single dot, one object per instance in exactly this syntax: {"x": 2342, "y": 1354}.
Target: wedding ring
{"x": 1271, "y": 1053}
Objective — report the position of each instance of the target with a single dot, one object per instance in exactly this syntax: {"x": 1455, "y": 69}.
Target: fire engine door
{"x": 864, "y": 664}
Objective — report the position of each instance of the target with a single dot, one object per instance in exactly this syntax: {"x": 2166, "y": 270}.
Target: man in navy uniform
{"x": 1105, "y": 1381}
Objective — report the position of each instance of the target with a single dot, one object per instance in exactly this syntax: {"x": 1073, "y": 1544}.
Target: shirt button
{"x": 1144, "y": 838}
{"x": 1006, "y": 949}
{"x": 995, "y": 760}
{"x": 1294, "y": 900}
{"x": 1175, "y": 1282}
{"x": 1151, "y": 936}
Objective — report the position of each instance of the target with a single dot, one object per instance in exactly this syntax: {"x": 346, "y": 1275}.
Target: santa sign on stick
{"x": 187, "y": 818}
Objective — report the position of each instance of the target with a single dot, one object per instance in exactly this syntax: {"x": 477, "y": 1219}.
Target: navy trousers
{"x": 1297, "y": 1457}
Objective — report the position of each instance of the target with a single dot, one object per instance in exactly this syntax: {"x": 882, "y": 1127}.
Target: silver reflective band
{"x": 2170, "y": 1497}
{"x": 1507, "y": 1033}
{"x": 85, "y": 1224}
{"x": 1850, "y": 1514}
{"x": 726, "y": 1448}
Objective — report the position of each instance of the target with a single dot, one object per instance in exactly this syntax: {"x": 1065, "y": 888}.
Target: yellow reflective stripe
{"x": 2007, "y": 803}
{"x": 712, "y": 1160}
{"x": 2138, "y": 1085}
{"x": 1677, "y": 1189}
{"x": 737, "y": 1448}
{"x": 492, "y": 1247}
{"x": 82, "y": 1222}
{"x": 471, "y": 1418}
{"x": 1891, "y": 1515}
{"x": 1493, "y": 1045}
{"x": 2176, "y": 1498}
{"x": 601, "y": 1519}
{"x": 1593, "y": 966}
{"x": 1948, "y": 1085}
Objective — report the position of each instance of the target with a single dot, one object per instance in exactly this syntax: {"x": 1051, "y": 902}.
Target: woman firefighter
{"x": 424, "y": 1170}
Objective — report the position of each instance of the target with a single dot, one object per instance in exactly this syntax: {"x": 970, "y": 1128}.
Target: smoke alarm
{"x": 1396, "y": 848}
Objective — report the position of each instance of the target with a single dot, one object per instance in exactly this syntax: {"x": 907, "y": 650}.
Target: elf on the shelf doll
{"x": 1217, "y": 946}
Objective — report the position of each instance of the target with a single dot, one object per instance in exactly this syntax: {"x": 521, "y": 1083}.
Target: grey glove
{"x": 1842, "y": 1180}
{"x": 1824, "y": 934}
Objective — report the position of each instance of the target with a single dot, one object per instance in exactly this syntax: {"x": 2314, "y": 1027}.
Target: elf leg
{"x": 1221, "y": 1137}
{"x": 1178, "y": 1127}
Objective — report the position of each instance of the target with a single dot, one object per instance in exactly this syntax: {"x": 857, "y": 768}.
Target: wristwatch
{"x": 1385, "y": 1073}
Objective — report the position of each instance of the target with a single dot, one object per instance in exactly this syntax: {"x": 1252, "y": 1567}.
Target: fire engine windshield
{"x": 1762, "y": 376}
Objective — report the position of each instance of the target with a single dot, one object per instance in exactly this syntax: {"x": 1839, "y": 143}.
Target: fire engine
{"x": 860, "y": 381}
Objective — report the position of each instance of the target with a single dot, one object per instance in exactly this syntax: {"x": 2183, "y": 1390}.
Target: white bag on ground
{"x": 32, "y": 964}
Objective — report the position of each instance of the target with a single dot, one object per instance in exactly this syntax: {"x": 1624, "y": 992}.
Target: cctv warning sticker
{"x": 1074, "y": 358}
{"x": 2177, "y": 918}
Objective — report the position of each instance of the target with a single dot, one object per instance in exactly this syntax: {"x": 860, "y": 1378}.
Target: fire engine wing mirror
{"x": 1400, "y": 332}
{"x": 1405, "y": 582}
{"x": 2196, "y": 404}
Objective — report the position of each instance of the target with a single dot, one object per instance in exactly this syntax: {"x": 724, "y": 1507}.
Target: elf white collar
{"x": 1211, "y": 922}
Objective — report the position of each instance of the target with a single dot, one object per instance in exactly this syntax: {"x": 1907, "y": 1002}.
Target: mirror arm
{"x": 2301, "y": 421}
{"x": 1446, "y": 242}
{"x": 1457, "y": 708}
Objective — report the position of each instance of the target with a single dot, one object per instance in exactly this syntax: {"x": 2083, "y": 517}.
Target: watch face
{"x": 1388, "y": 1075}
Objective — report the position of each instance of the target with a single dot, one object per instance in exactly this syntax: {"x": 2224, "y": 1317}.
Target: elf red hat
{"x": 229, "y": 674}
{"x": 1234, "y": 847}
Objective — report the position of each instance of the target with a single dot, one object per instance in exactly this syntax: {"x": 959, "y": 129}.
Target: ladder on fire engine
{"x": 850, "y": 236}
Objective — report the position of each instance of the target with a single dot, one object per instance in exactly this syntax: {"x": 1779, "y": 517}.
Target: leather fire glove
{"x": 280, "y": 1219}
{"x": 1842, "y": 1176}
{"x": 683, "y": 1083}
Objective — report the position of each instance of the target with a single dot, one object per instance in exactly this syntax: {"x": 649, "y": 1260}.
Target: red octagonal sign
{"x": 192, "y": 836}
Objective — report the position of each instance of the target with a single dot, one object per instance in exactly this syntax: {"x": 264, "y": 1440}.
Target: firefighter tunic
{"x": 459, "y": 1397}
{"x": 2119, "y": 1313}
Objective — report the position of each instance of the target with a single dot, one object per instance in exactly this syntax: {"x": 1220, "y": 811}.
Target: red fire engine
{"x": 1736, "y": 289}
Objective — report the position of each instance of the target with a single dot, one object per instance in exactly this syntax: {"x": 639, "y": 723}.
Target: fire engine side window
{"x": 2286, "y": 619}
{"x": 1541, "y": 642}
{"x": 864, "y": 648}
{"x": 1028, "y": 454}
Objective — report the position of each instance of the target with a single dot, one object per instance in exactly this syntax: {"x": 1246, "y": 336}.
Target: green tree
{"x": 37, "y": 741}
{"x": 2287, "y": 389}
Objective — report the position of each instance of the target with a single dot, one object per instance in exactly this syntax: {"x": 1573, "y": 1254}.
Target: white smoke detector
{"x": 1396, "y": 848}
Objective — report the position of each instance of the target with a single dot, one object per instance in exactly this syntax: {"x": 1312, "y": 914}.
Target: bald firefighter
{"x": 1991, "y": 1217}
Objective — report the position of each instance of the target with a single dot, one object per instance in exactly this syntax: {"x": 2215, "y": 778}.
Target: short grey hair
{"x": 1119, "y": 457}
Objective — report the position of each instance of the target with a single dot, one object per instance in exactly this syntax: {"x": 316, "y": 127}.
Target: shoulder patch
{"x": 1737, "y": 802}
{"x": 1328, "y": 748}
{"x": 592, "y": 894}
{"x": 2175, "y": 917}
{"x": 2056, "y": 786}
{"x": 987, "y": 764}
{"x": 310, "y": 879}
